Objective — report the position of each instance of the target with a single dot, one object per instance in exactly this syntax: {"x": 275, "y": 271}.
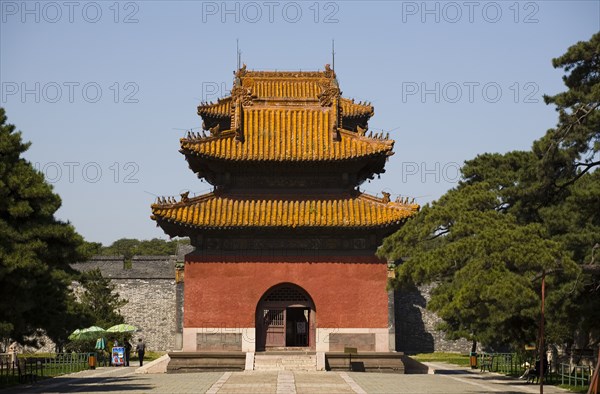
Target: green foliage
{"x": 571, "y": 149}
{"x": 512, "y": 217}
{"x": 128, "y": 247}
{"x": 483, "y": 261}
{"x": 100, "y": 300}
{"x": 35, "y": 248}
{"x": 575, "y": 223}
{"x": 92, "y": 248}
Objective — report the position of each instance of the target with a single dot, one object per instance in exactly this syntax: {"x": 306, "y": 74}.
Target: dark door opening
{"x": 296, "y": 327}
{"x": 285, "y": 317}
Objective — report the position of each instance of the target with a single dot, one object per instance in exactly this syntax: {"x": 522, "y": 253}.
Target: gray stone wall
{"x": 155, "y": 306}
{"x": 416, "y": 326}
{"x": 150, "y": 289}
{"x": 151, "y": 308}
{"x": 142, "y": 267}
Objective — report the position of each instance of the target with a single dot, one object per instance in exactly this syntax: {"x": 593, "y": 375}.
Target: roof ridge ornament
{"x": 328, "y": 94}
{"x": 241, "y": 72}
{"x": 386, "y": 197}
{"x": 330, "y": 90}
{"x": 240, "y": 97}
{"x": 240, "y": 94}
{"x": 215, "y": 131}
{"x": 329, "y": 72}
{"x": 362, "y": 130}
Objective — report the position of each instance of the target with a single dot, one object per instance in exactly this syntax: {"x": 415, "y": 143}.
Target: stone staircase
{"x": 285, "y": 362}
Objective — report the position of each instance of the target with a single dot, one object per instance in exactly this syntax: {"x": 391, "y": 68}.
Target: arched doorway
{"x": 285, "y": 318}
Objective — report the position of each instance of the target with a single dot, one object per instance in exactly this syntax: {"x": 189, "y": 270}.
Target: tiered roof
{"x": 300, "y": 121}
{"x": 225, "y": 212}
{"x": 286, "y": 134}
{"x": 287, "y": 117}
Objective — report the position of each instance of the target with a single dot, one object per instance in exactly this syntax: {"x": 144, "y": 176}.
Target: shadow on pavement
{"x": 501, "y": 380}
{"x": 453, "y": 372}
{"x": 88, "y": 385}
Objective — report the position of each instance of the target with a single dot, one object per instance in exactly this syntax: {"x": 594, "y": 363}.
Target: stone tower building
{"x": 285, "y": 244}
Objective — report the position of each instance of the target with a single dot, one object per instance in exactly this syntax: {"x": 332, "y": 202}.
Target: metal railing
{"x": 64, "y": 363}
{"x": 513, "y": 363}
{"x": 575, "y": 375}
{"x": 8, "y": 369}
{"x": 507, "y": 363}
{"x": 31, "y": 368}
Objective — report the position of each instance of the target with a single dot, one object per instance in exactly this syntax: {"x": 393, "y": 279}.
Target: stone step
{"x": 284, "y": 367}
{"x": 284, "y": 361}
{"x": 292, "y": 362}
{"x": 294, "y": 369}
{"x": 291, "y": 358}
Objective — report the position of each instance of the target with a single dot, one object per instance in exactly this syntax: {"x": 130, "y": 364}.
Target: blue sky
{"x": 98, "y": 87}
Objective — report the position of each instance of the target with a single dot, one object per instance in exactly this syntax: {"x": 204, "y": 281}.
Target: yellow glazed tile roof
{"x": 301, "y": 134}
{"x": 288, "y": 88}
{"x": 352, "y": 109}
{"x": 289, "y": 85}
{"x": 211, "y": 211}
{"x": 220, "y": 109}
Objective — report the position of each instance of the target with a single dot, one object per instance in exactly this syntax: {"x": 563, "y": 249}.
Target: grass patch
{"x": 148, "y": 356}
{"x": 450, "y": 358}
{"x": 574, "y": 389}
{"x": 37, "y": 355}
{"x": 53, "y": 370}
{"x": 463, "y": 361}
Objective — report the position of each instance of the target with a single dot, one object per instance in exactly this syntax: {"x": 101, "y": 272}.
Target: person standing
{"x": 127, "y": 352}
{"x": 110, "y": 344}
{"x": 12, "y": 350}
{"x": 140, "y": 349}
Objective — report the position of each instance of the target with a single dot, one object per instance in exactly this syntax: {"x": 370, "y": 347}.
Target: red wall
{"x": 347, "y": 292}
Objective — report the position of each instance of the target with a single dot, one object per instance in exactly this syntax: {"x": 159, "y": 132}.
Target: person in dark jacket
{"x": 140, "y": 349}
{"x": 127, "y": 352}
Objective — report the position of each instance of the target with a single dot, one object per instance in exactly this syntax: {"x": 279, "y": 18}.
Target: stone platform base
{"x": 206, "y": 362}
{"x": 334, "y": 361}
{"x": 373, "y": 362}
{"x": 157, "y": 366}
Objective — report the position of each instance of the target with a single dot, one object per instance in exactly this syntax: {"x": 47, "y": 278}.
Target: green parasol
{"x": 87, "y": 333}
{"x": 123, "y": 329}
{"x": 75, "y": 335}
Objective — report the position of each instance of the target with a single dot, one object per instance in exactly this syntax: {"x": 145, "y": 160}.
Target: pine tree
{"x": 512, "y": 217}
{"x": 36, "y": 249}
{"x": 100, "y": 300}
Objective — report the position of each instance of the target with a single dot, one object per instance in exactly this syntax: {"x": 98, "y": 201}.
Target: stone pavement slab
{"x": 329, "y": 382}
{"x": 448, "y": 379}
{"x": 120, "y": 380}
{"x": 249, "y": 382}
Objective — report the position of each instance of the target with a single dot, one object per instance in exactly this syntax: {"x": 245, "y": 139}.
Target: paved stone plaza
{"x": 448, "y": 380}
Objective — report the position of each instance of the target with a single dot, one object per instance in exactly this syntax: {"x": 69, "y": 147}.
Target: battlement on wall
{"x": 142, "y": 267}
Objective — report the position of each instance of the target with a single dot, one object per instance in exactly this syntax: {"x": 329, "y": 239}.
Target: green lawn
{"x": 149, "y": 356}
{"x": 450, "y": 358}
{"x": 463, "y": 361}
{"x": 574, "y": 389}
{"x": 52, "y": 369}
